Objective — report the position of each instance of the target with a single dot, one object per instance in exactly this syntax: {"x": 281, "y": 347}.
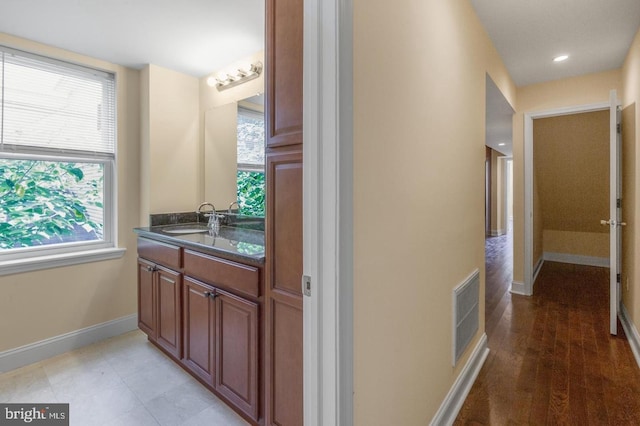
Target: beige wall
{"x": 419, "y": 146}
{"x": 631, "y": 184}
{"x": 171, "y": 146}
{"x": 571, "y": 165}
{"x": 592, "y": 244}
{"x": 583, "y": 90}
{"x": 39, "y": 305}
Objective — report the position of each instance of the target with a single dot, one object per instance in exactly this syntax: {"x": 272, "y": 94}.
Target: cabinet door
{"x": 168, "y": 330}
{"x": 237, "y": 351}
{"x": 284, "y": 41}
{"x": 199, "y": 328}
{"x": 284, "y": 296}
{"x": 146, "y": 299}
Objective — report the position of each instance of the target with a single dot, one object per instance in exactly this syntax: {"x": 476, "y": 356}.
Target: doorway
{"x": 532, "y": 263}
{"x": 614, "y": 213}
{"x": 498, "y": 205}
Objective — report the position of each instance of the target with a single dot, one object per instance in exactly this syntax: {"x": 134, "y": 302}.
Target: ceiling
{"x": 528, "y": 34}
{"x": 198, "y": 37}
{"x": 195, "y": 37}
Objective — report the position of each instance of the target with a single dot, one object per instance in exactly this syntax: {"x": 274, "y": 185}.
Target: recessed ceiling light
{"x": 502, "y": 144}
{"x": 560, "y": 58}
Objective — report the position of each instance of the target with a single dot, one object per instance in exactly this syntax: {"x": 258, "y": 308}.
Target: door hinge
{"x": 619, "y": 128}
{"x": 618, "y": 278}
{"x": 306, "y": 285}
{"x": 619, "y": 203}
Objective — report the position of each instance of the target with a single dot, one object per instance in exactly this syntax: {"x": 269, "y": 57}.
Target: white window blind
{"x": 250, "y": 139}
{"x": 53, "y": 106}
{"x": 57, "y": 157}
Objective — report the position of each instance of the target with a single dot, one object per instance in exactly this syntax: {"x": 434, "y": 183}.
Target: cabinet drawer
{"x": 165, "y": 254}
{"x": 220, "y": 272}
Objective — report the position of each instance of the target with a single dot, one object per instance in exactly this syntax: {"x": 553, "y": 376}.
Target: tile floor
{"x": 124, "y": 380}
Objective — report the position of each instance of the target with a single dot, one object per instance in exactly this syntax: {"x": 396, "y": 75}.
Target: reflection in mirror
{"x": 233, "y": 143}
{"x": 234, "y": 135}
{"x": 250, "y": 156}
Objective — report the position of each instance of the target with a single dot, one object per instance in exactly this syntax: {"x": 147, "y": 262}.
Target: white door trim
{"x": 615, "y": 247}
{"x": 528, "y": 181}
{"x": 328, "y": 212}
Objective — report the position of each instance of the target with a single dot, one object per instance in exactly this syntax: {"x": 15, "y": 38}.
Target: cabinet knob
{"x": 151, "y": 268}
{"x": 210, "y": 294}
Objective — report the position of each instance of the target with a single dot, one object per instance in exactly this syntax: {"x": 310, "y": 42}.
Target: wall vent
{"x": 466, "y": 310}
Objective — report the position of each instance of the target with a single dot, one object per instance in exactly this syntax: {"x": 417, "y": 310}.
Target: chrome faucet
{"x": 231, "y": 205}
{"x": 211, "y": 214}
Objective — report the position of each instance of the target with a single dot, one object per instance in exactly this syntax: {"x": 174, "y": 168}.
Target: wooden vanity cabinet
{"x": 283, "y": 233}
{"x": 221, "y": 325}
{"x": 199, "y": 329}
{"x": 221, "y": 343}
{"x": 159, "y": 295}
{"x": 237, "y": 347}
{"x": 207, "y": 315}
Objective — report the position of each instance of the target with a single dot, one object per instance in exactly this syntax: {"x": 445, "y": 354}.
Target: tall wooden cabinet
{"x": 283, "y": 302}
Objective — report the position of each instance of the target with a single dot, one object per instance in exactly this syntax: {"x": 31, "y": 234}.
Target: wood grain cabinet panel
{"x": 285, "y": 362}
{"x": 284, "y": 72}
{"x": 169, "y": 323}
{"x": 284, "y": 218}
{"x": 283, "y": 375}
{"x": 146, "y": 298}
{"x": 162, "y": 253}
{"x": 244, "y": 279}
{"x": 237, "y": 351}
{"x": 199, "y": 329}
{"x": 283, "y": 250}
{"x": 159, "y": 306}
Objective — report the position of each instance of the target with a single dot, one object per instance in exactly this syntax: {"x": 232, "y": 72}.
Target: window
{"x": 57, "y": 157}
{"x": 251, "y": 189}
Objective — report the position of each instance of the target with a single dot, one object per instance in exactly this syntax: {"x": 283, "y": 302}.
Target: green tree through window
{"x": 47, "y": 202}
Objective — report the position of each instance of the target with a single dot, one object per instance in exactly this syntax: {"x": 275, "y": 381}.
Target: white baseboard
{"x": 452, "y": 403}
{"x": 537, "y": 269}
{"x": 34, "y": 352}
{"x": 518, "y": 288}
{"x": 631, "y": 331}
{"x": 577, "y": 259}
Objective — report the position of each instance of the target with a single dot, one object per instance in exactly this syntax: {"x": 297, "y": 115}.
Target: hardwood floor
{"x": 552, "y": 359}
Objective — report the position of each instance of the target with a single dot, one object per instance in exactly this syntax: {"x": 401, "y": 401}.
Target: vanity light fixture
{"x": 502, "y": 144}
{"x": 242, "y": 75}
{"x": 560, "y": 58}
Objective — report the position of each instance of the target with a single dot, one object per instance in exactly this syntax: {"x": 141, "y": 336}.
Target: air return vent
{"x": 465, "y": 314}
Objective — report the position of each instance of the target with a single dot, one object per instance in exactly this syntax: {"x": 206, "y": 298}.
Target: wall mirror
{"x": 234, "y": 143}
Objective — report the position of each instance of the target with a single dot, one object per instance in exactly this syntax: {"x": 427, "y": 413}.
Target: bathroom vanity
{"x": 200, "y": 300}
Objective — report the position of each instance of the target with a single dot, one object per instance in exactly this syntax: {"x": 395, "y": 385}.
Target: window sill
{"x": 16, "y": 266}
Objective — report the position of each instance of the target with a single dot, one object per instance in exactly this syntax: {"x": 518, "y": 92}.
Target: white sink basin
{"x": 190, "y": 229}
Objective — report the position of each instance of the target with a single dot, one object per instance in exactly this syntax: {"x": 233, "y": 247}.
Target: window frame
{"x": 25, "y": 259}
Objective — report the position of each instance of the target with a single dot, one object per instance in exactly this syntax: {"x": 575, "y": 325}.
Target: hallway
{"x": 552, "y": 360}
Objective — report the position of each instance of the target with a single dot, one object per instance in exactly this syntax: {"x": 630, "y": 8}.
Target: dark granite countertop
{"x": 231, "y": 242}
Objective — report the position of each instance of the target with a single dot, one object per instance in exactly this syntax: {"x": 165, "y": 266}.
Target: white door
{"x": 615, "y": 213}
